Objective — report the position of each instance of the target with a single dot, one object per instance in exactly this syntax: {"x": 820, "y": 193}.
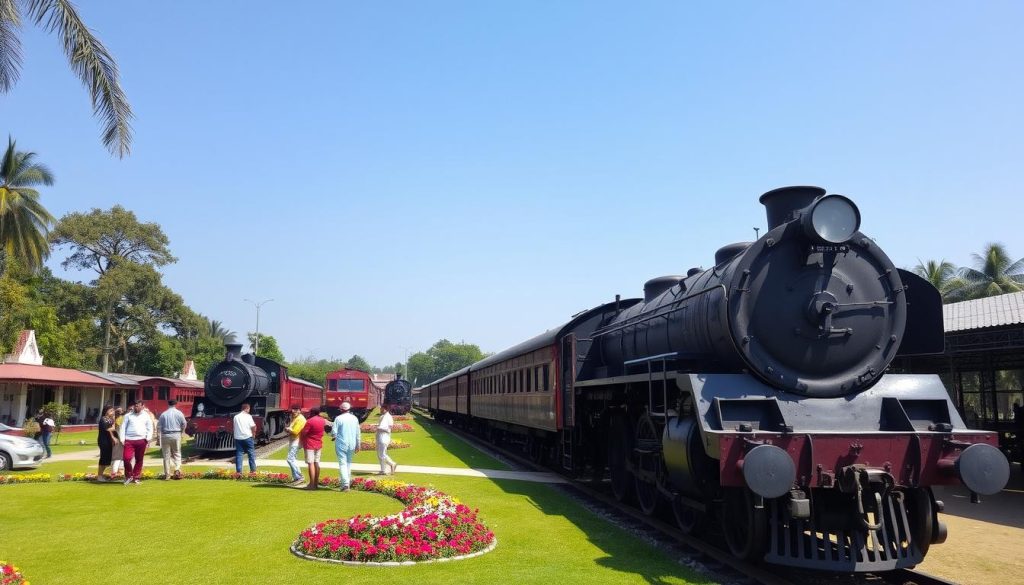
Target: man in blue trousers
{"x": 345, "y": 434}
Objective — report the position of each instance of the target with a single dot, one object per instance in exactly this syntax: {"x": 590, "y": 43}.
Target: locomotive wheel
{"x": 921, "y": 516}
{"x": 620, "y": 444}
{"x": 690, "y": 520}
{"x": 649, "y": 461}
{"x": 745, "y": 527}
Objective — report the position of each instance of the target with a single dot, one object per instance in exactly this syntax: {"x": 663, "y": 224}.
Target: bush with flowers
{"x": 25, "y": 478}
{"x": 402, "y": 417}
{"x": 371, "y": 444}
{"x": 10, "y": 575}
{"x": 432, "y": 526}
{"x": 396, "y": 428}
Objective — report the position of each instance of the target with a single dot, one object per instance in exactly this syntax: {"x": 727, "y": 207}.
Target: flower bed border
{"x": 303, "y": 555}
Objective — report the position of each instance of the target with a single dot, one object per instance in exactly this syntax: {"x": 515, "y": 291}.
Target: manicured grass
{"x": 239, "y": 533}
{"x": 429, "y": 445}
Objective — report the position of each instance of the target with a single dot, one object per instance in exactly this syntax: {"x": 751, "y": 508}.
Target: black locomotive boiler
{"x": 754, "y": 394}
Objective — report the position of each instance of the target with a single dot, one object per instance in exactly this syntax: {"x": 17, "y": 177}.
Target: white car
{"x": 18, "y": 451}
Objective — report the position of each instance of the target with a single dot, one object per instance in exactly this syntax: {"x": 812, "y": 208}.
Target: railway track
{"x": 694, "y": 552}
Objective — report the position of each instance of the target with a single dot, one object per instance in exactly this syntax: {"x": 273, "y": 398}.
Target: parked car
{"x": 18, "y": 451}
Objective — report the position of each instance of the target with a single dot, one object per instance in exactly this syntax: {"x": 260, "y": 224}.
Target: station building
{"x": 26, "y": 385}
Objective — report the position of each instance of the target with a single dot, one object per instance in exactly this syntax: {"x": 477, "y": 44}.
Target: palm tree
{"x": 943, "y": 276}
{"x": 993, "y": 273}
{"x": 218, "y": 331}
{"x": 87, "y": 56}
{"x": 24, "y": 222}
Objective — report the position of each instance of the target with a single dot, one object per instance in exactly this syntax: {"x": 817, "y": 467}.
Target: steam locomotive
{"x": 398, "y": 394}
{"x": 264, "y": 384}
{"x": 753, "y": 393}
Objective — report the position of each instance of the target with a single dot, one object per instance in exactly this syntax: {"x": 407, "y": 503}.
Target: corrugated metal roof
{"x": 119, "y": 379}
{"x": 49, "y": 375}
{"x": 995, "y": 311}
{"x": 175, "y": 382}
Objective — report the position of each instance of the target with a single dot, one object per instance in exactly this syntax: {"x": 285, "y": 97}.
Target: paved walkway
{"x": 532, "y": 476}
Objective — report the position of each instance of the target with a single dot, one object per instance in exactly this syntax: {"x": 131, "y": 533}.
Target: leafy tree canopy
{"x": 268, "y": 347}
{"x": 356, "y": 362}
{"x": 100, "y": 239}
{"x": 443, "y": 358}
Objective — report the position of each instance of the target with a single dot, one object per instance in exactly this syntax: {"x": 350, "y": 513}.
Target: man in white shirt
{"x": 171, "y": 425}
{"x": 245, "y": 431}
{"x": 136, "y": 432}
{"x": 387, "y": 465}
{"x": 345, "y": 433}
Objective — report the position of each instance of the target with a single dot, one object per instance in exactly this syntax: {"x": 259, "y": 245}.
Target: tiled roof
{"x": 47, "y": 375}
{"x": 995, "y": 311}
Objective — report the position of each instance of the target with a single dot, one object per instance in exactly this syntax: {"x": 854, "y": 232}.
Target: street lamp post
{"x": 256, "y": 346}
{"x": 407, "y": 352}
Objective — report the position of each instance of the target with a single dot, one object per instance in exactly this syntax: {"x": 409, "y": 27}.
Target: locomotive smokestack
{"x": 232, "y": 351}
{"x": 783, "y": 202}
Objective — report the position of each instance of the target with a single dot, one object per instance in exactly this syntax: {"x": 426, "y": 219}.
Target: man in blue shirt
{"x": 345, "y": 434}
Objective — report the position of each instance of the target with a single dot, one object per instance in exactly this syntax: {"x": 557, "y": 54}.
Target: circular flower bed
{"x": 10, "y": 575}
{"x": 432, "y": 527}
{"x": 396, "y": 428}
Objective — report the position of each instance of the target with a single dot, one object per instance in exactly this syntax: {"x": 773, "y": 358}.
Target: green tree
{"x": 60, "y": 413}
{"x": 943, "y": 276}
{"x": 443, "y": 358}
{"x": 24, "y": 222}
{"x": 268, "y": 347}
{"x": 207, "y": 352}
{"x": 217, "y": 330}
{"x": 356, "y": 362}
{"x": 123, "y": 252}
{"x": 993, "y": 273}
{"x": 87, "y": 57}
{"x": 314, "y": 370}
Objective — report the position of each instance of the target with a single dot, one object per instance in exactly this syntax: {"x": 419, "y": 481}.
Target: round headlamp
{"x": 832, "y": 219}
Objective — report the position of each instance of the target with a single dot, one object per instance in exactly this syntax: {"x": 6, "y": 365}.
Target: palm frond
{"x": 10, "y": 44}
{"x": 94, "y": 65}
{"x": 1016, "y": 269}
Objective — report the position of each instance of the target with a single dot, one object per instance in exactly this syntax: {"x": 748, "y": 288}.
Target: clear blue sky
{"x": 394, "y": 173}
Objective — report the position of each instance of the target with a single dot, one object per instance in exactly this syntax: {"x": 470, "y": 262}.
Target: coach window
{"x": 529, "y": 380}
{"x": 163, "y": 392}
{"x": 147, "y": 393}
{"x": 547, "y": 384}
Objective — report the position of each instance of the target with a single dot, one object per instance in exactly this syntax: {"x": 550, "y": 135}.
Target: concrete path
{"x": 281, "y": 465}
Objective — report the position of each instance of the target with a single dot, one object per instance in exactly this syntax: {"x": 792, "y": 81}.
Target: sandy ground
{"x": 986, "y": 540}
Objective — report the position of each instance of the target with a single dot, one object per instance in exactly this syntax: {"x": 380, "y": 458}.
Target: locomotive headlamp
{"x": 832, "y": 219}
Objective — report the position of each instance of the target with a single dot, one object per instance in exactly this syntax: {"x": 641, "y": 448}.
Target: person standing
{"x": 106, "y": 439}
{"x": 294, "y": 430}
{"x": 345, "y": 433}
{"x": 136, "y": 433}
{"x": 46, "y": 432}
{"x": 171, "y": 425}
{"x": 313, "y": 442}
{"x": 117, "y": 455}
{"x": 245, "y": 438}
{"x": 384, "y": 439}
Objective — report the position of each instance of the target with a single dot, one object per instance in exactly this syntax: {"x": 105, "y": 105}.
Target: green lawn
{"x": 239, "y": 533}
{"x": 429, "y": 445}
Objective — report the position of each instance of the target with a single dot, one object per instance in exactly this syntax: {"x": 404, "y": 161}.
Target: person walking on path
{"x": 117, "y": 455}
{"x": 345, "y": 433}
{"x": 313, "y": 441}
{"x": 171, "y": 425}
{"x": 136, "y": 433}
{"x": 387, "y": 464}
{"x": 294, "y": 430}
{"x": 245, "y": 441}
{"x": 46, "y": 432}
{"x": 106, "y": 439}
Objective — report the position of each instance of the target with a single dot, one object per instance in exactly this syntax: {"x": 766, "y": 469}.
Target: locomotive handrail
{"x": 659, "y": 312}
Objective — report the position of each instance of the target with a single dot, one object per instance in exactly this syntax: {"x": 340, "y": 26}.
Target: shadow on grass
{"x": 461, "y": 450}
{"x": 627, "y": 555}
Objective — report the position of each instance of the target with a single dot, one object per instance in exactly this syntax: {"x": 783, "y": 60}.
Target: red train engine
{"x": 352, "y": 386}
{"x": 262, "y": 383}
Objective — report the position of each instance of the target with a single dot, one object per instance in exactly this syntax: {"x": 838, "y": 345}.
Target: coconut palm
{"x": 943, "y": 276}
{"x": 24, "y": 222}
{"x": 218, "y": 331}
{"x": 993, "y": 273}
{"x": 87, "y": 56}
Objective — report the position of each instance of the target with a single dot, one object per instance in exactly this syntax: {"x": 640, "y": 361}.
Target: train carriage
{"x": 156, "y": 391}
{"x": 353, "y": 386}
{"x": 754, "y": 394}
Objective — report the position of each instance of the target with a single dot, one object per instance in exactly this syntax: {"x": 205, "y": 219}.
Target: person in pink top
{"x": 312, "y": 438}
